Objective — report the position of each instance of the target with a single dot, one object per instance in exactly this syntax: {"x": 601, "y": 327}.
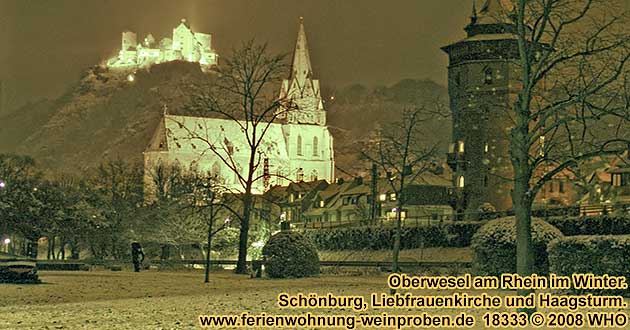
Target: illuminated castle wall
{"x": 298, "y": 147}
{"x": 185, "y": 45}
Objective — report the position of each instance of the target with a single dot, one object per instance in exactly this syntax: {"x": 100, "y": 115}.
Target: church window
{"x": 315, "y": 147}
{"x": 487, "y": 76}
{"x": 299, "y": 145}
{"x": 460, "y": 181}
{"x": 460, "y": 146}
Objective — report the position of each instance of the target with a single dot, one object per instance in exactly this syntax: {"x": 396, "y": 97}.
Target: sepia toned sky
{"x": 46, "y": 44}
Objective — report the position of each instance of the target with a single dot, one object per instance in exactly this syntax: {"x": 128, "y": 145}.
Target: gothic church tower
{"x": 483, "y": 81}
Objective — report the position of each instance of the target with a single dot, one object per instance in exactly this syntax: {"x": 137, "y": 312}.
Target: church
{"x": 299, "y": 147}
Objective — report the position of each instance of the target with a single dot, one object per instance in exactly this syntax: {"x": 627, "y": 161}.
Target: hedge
{"x": 494, "y": 246}
{"x": 445, "y": 234}
{"x": 598, "y": 254}
{"x": 290, "y": 254}
{"x": 592, "y": 225}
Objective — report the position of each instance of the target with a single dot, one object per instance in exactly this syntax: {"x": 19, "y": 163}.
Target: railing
{"x": 328, "y": 263}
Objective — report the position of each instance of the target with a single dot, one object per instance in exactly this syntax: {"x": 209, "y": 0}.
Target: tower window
{"x": 460, "y": 181}
{"x": 485, "y": 147}
{"x": 315, "y": 147}
{"x": 460, "y": 146}
{"x": 299, "y": 145}
{"x": 487, "y": 76}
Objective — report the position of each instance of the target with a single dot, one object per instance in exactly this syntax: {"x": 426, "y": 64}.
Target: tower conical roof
{"x": 301, "y": 66}
{"x": 495, "y": 11}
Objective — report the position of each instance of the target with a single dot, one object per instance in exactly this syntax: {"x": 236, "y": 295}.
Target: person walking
{"x": 136, "y": 252}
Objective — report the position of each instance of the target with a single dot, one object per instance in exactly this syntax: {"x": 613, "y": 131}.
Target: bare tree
{"x": 572, "y": 104}
{"x": 400, "y": 151}
{"x": 244, "y": 93}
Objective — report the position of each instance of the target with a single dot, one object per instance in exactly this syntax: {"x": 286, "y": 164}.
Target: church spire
{"x": 301, "y": 66}
{"x": 473, "y": 16}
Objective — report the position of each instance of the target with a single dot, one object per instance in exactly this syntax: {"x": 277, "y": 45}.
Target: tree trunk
{"x": 208, "y": 248}
{"x": 241, "y": 265}
{"x": 521, "y": 199}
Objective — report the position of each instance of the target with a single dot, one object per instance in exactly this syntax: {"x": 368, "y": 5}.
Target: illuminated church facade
{"x": 184, "y": 45}
{"x": 299, "y": 147}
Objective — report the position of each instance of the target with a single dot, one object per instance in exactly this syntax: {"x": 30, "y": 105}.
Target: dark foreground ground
{"x": 165, "y": 300}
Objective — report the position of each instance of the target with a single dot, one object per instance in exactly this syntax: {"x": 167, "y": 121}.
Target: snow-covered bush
{"x": 290, "y": 254}
{"x": 494, "y": 246}
{"x": 598, "y": 255}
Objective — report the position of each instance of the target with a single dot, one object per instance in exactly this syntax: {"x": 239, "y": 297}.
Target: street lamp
{"x": 2, "y": 184}
{"x": 6, "y": 241}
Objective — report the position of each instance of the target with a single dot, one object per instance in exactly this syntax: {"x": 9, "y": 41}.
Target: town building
{"x": 185, "y": 45}
{"x": 298, "y": 147}
{"x": 318, "y": 204}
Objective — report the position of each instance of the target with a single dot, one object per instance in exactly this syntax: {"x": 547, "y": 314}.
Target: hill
{"x": 105, "y": 115}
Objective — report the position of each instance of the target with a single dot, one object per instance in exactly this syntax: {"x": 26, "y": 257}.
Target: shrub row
{"x": 598, "y": 255}
{"x": 446, "y": 234}
{"x": 592, "y": 225}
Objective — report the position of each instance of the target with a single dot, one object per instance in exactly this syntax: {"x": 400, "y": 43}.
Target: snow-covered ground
{"x": 170, "y": 300}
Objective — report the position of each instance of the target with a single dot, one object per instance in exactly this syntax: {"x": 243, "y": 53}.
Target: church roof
{"x": 197, "y": 134}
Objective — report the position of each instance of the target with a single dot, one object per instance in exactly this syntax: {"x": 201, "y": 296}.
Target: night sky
{"x": 45, "y": 44}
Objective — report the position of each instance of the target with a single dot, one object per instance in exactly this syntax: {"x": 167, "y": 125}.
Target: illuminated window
{"x": 321, "y": 203}
{"x": 460, "y": 146}
{"x": 392, "y": 196}
{"x": 487, "y": 76}
{"x": 485, "y": 147}
{"x": 315, "y": 147}
{"x": 299, "y": 145}
{"x": 460, "y": 181}
{"x": 616, "y": 180}
{"x": 382, "y": 197}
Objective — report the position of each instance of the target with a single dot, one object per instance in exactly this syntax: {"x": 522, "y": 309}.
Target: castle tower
{"x": 302, "y": 88}
{"x": 483, "y": 82}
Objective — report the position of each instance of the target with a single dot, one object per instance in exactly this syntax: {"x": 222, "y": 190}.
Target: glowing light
{"x": 227, "y": 220}
{"x": 283, "y": 215}
{"x": 6, "y": 241}
{"x": 131, "y": 78}
{"x": 382, "y": 197}
{"x": 332, "y": 98}
{"x": 395, "y": 210}
{"x": 2, "y": 184}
